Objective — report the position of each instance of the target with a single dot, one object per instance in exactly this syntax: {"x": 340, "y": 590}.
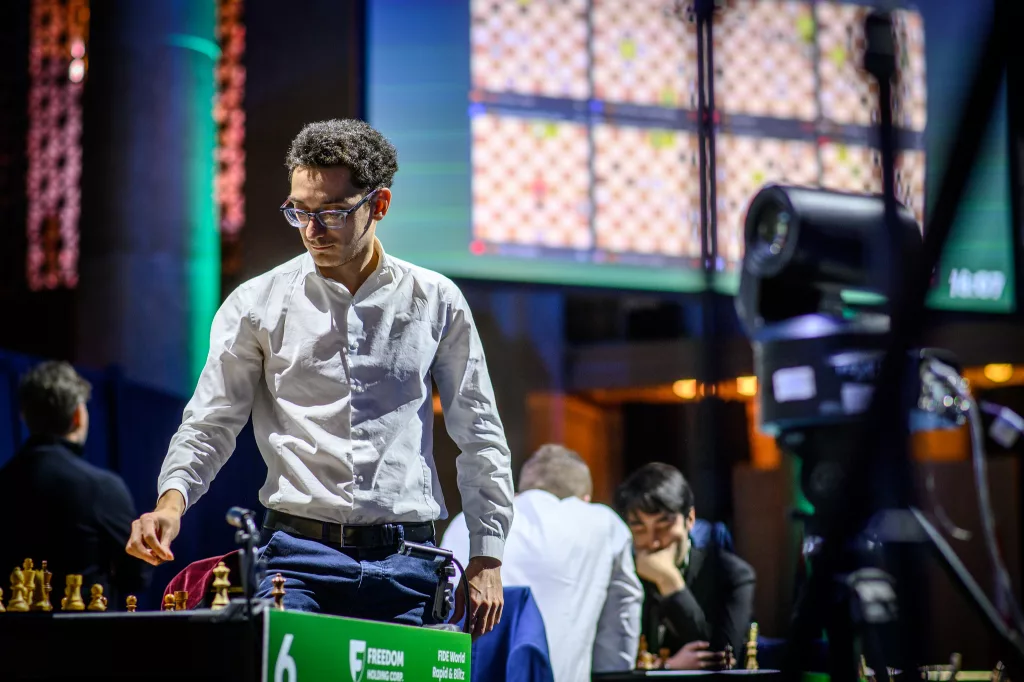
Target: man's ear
{"x": 691, "y": 518}
{"x": 76, "y": 417}
{"x": 381, "y": 203}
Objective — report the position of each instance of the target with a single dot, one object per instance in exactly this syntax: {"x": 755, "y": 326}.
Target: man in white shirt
{"x": 577, "y": 559}
{"x": 333, "y": 353}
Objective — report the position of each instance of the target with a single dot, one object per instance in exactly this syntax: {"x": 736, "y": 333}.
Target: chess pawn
{"x": 2, "y": 609}
{"x": 130, "y": 603}
{"x": 180, "y": 600}
{"x": 97, "y": 601}
{"x": 221, "y": 585}
{"x": 72, "y": 600}
{"x": 751, "y": 662}
{"x": 730, "y": 659}
{"x": 18, "y": 603}
{"x": 168, "y": 602}
{"x": 278, "y": 592}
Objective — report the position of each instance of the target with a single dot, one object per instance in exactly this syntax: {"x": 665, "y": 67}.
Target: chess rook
{"x": 72, "y": 600}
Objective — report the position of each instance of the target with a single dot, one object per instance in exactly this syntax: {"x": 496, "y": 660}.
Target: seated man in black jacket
{"x": 56, "y": 506}
{"x": 696, "y": 599}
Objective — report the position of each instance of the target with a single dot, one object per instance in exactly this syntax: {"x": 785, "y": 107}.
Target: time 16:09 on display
{"x": 980, "y": 284}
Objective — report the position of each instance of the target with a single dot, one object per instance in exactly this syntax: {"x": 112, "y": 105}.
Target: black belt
{"x": 337, "y": 535}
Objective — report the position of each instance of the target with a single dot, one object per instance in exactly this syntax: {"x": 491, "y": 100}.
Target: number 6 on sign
{"x": 284, "y": 669}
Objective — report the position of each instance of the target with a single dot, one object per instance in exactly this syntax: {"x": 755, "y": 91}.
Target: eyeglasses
{"x": 332, "y": 220}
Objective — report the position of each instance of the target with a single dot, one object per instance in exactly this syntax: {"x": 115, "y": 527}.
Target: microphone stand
{"x": 247, "y": 537}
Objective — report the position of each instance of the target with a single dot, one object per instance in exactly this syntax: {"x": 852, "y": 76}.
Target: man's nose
{"x": 314, "y": 228}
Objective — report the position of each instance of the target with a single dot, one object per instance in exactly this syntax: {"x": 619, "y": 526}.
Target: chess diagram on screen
{"x": 584, "y": 121}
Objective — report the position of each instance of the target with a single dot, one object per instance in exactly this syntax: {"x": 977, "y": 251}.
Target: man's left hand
{"x": 486, "y": 598}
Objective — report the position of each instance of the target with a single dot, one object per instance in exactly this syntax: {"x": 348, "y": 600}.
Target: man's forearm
{"x": 172, "y": 500}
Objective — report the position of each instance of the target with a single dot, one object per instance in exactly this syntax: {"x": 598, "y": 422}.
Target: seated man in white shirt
{"x": 577, "y": 559}
{"x": 334, "y": 353}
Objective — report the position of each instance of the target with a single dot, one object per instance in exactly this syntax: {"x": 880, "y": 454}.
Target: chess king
{"x": 333, "y": 353}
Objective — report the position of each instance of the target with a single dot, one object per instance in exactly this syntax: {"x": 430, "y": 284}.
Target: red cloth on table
{"x": 197, "y": 578}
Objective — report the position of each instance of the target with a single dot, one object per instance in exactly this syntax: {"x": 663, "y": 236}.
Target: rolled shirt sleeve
{"x": 471, "y": 418}
{"x": 220, "y": 406}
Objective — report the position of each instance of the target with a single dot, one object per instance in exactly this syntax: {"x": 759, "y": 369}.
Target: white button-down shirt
{"x": 339, "y": 387}
{"x": 577, "y": 559}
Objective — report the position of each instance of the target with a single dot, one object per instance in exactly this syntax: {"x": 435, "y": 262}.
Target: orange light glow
{"x": 746, "y": 385}
{"x": 685, "y": 388}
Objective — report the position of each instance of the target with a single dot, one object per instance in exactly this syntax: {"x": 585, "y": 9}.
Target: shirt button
{"x": 359, "y": 479}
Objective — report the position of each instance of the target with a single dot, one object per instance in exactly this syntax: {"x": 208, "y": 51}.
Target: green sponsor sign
{"x": 303, "y": 647}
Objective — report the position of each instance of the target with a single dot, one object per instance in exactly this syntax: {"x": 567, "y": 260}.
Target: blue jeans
{"x": 372, "y": 584}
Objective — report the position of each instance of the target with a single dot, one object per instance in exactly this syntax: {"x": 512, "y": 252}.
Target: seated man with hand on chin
{"x": 697, "y": 600}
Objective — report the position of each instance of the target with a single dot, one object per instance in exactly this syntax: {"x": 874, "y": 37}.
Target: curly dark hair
{"x": 368, "y": 155}
{"x": 48, "y": 395}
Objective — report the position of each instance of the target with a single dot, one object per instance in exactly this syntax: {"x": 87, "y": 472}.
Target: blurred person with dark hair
{"x": 334, "y": 354}
{"x": 60, "y": 508}
{"x": 696, "y": 599}
{"x": 577, "y": 559}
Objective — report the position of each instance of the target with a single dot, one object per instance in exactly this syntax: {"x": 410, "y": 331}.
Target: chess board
{"x": 745, "y": 165}
{"x": 792, "y": 105}
{"x": 644, "y": 53}
{"x": 647, "y": 191}
{"x": 530, "y": 182}
{"x": 855, "y": 168}
{"x": 848, "y": 94}
{"x": 531, "y": 47}
{"x": 764, "y": 59}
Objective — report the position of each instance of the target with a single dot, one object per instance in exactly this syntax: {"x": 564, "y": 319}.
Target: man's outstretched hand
{"x": 152, "y": 533}
{"x": 486, "y": 598}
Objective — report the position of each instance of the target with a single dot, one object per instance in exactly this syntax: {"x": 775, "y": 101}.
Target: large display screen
{"x": 556, "y": 141}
